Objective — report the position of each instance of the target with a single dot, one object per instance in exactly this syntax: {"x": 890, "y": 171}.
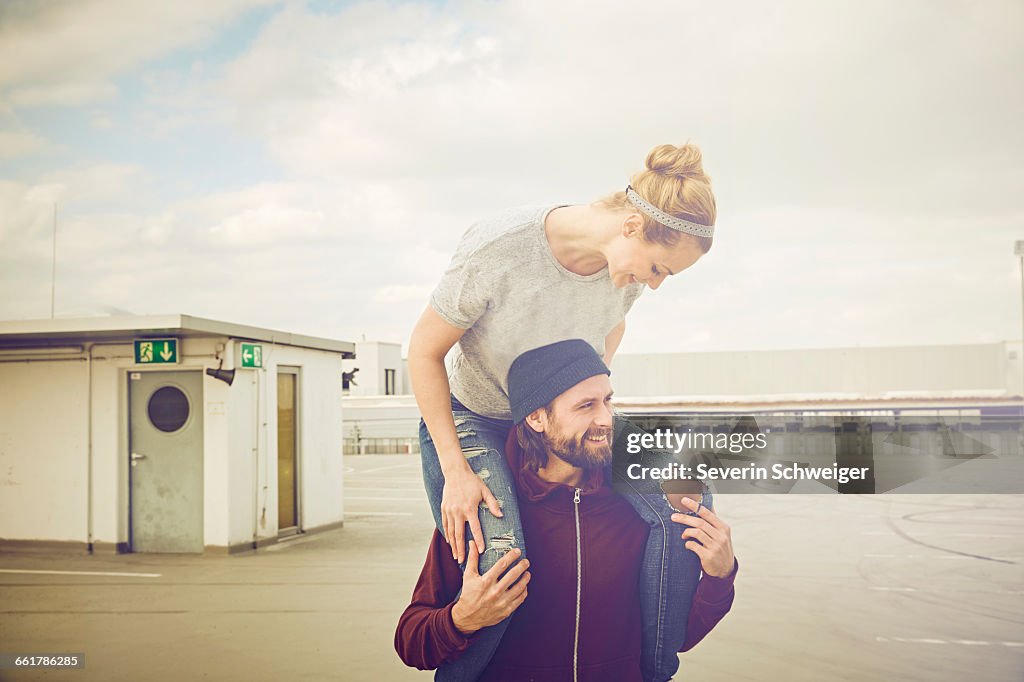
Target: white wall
{"x": 44, "y": 443}
{"x": 320, "y": 436}
{"x": 858, "y": 371}
{"x": 372, "y": 358}
{"x": 43, "y": 431}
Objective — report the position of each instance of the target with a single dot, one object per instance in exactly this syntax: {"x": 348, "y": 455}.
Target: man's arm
{"x": 436, "y": 628}
{"x": 426, "y": 636}
{"x": 710, "y": 538}
{"x": 710, "y": 604}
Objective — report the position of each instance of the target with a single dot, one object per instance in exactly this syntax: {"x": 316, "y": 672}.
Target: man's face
{"x": 578, "y": 428}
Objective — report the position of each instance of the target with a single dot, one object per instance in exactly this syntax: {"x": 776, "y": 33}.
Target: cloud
{"x": 842, "y": 105}
{"x": 402, "y": 294}
{"x": 866, "y": 158}
{"x": 22, "y": 143}
{"x": 93, "y": 183}
{"x": 67, "y": 52}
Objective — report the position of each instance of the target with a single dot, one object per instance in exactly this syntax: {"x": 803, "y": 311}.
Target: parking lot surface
{"x": 870, "y": 587}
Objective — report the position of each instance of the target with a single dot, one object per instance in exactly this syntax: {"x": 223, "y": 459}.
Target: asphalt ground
{"x": 886, "y": 587}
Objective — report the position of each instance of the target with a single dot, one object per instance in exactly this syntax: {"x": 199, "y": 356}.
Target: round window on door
{"x": 168, "y": 408}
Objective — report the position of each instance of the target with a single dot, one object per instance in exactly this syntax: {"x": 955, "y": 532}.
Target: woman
{"x": 525, "y": 279}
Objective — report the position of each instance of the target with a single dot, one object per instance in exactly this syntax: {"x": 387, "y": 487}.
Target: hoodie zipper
{"x": 579, "y": 587}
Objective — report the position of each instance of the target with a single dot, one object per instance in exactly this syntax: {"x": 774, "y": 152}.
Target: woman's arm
{"x": 431, "y": 340}
{"x": 612, "y": 341}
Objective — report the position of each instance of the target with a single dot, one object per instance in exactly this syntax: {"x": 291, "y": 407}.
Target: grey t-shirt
{"x": 507, "y": 289}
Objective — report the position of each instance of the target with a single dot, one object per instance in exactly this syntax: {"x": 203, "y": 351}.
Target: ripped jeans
{"x": 669, "y": 572}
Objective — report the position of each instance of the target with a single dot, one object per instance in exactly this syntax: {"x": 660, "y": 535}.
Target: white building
{"x": 913, "y": 379}
{"x": 376, "y": 370}
{"x": 166, "y": 434}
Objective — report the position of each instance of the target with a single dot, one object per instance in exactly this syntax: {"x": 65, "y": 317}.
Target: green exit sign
{"x": 156, "y": 351}
{"x": 252, "y": 355}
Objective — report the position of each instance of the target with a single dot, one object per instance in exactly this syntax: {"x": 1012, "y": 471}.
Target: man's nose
{"x": 604, "y": 418}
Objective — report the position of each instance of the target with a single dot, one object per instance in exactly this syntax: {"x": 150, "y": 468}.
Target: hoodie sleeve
{"x": 710, "y": 604}
{"x": 426, "y": 636}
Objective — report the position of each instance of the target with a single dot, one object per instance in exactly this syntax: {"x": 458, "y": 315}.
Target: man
{"x": 574, "y": 603}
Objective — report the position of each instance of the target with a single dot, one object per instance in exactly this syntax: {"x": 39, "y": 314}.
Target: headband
{"x": 667, "y": 220}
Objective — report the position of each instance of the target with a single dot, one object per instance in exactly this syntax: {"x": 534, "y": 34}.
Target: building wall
{"x": 320, "y": 439}
{"x": 44, "y": 436}
{"x": 372, "y": 359}
{"x": 860, "y": 371}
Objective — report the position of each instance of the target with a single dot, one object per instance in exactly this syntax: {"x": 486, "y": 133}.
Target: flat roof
{"x": 15, "y": 333}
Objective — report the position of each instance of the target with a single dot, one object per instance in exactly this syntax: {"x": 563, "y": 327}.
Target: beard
{"x": 579, "y": 451}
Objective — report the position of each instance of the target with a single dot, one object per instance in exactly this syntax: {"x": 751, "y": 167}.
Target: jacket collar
{"x": 532, "y": 487}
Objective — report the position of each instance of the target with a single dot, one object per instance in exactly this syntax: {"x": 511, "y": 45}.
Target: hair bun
{"x": 680, "y": 162}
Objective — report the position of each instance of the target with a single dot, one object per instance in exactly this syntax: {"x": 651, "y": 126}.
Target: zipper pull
{"x": 576, "y": 499}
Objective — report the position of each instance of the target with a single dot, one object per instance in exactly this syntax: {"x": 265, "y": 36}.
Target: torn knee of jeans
{"x": 502, "y": 544}
{"x": 501, "y": 503}
{"x": 463, "y": 433}
{"x": 473, "y": 452}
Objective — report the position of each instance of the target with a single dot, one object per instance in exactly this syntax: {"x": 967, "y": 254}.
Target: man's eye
{"x": 585, "y": 406}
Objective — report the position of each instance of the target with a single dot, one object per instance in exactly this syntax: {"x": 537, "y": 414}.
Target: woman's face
{"x": 634, "y": 259}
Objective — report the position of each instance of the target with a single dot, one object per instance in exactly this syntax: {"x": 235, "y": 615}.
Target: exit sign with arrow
{"x": 156, "y": 351}
{"x": 252, "y": 355}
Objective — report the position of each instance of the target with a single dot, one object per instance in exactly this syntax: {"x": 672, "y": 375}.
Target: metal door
{"x": 166, "y": 461}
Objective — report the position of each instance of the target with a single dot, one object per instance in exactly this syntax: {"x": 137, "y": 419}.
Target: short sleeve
{"x": 629, "y": 298}
{"x": 460, "y": 297}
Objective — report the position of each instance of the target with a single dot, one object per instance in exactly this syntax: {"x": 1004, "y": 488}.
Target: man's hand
{"x": 490, "y": 598}
{"x": 709, "y": 537}
{"x": 460, "y": 504}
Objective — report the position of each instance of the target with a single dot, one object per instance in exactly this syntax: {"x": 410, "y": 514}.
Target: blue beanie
{"x": 540, "y": 375}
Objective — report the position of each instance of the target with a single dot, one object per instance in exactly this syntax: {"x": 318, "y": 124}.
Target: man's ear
{"x": 538, "y": 420}
{"x": 633, "y": 225}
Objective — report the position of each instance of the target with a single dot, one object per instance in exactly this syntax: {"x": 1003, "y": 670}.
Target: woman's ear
{"x": 632, "y": 226}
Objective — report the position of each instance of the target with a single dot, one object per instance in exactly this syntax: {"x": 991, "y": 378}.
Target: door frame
{"x": 126, "y": 451}
{"x": 295, "y": 371}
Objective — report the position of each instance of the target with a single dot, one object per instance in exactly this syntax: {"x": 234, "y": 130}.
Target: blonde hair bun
{"x": 682, "y": 162}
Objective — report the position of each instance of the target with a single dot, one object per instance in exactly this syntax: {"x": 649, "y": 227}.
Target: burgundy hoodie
{"x": 541, "y": 640}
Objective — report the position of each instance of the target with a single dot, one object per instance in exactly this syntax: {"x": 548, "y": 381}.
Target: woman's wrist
{"x": 454, "y": 467}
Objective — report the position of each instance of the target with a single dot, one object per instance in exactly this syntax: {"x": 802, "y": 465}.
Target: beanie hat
{"x": 540, "y": 375}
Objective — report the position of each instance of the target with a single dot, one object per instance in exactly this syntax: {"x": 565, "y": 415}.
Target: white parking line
{"x": 361, "y": 489}
{"x": 930, "y": 640}
{"x": 118, "y": 575}
{"x": 932, "y": 558}
{"x": 405, "y": 465}
{"x": 947, "y": 535}
{"x": 369, "y": 513}
{"x": 383, "y": 499}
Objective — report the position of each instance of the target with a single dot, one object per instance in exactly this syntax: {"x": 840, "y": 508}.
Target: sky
{"x": 310, "y": 166}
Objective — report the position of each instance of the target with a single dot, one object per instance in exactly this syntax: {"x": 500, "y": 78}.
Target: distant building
{"x": 376, "y": 370}
{"x": 901, "y": 378}
{"x": 166, "y": 433}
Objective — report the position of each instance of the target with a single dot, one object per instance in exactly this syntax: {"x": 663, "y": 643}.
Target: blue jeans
{"x": 669, "y": 572}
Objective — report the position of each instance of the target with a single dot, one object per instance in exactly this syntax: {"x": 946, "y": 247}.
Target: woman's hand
{"x": 709, "y": 537}
{"x": 490, "y": 598}
{"x": 460, "y": 504}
